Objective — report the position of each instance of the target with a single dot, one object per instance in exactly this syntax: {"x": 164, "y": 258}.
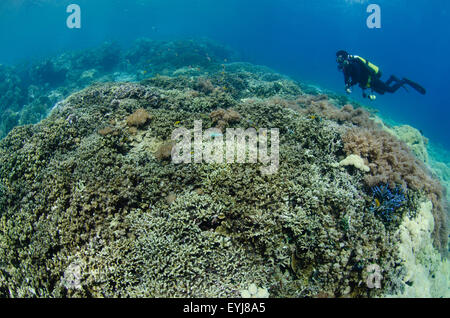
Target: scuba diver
{"x": 360, "y": 71}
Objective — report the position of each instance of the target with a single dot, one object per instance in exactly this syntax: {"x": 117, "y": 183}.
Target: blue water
{"x": 295, "y": 37}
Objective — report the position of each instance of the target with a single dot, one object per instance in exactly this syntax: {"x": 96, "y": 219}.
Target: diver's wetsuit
{"x": 355, "y": 72}
{"x": 381, "y": 87}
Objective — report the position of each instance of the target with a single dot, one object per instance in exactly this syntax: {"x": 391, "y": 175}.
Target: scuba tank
{"x": 374, "y": 70}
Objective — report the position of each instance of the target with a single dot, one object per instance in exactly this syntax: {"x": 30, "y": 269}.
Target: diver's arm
{"x": 371, "y": 96}
{"x": 348, "y": 82}
{"x": 348, "y": 85}
{"x": 352, "y": 75}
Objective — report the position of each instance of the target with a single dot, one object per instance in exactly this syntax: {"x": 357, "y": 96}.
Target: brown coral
{"x": 204, "y": 85}
{"x": 139, "y": 118}
{"x": 222, "y": 117}
{"x": 320, "y": 105}
{"x": 109, "y": 131}
{"x": 391, "y": 162}
{"x": 308, "y": 99}
{"x": 164, "y": 152}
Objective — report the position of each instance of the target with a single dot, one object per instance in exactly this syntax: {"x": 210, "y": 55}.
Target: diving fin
{"x": 416, "y": 86}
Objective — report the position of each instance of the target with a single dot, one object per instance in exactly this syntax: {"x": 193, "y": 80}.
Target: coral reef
{"x": 48, "y": 73}
{"x": 139, "y": 118}
{"x": 442, "y": 170}
{"x": 426, "y": 275}
{"x": 411, "y": 136}
{"x": 100, "y": 223}
{"x": 222, "y": 118}
{"x": 321, "y": 106}
{"x": 414, "y": 139}
{"x": 387, "y": 202}
{"x": 204, "y": 85}
{"x": 92, "y": 206}
{"x": 392, "y": 162}
{"x": 254, "y": 292}
{"x": 164, "y": 151}
{"x": 22, "y": 85}
{"x": 356, "y": 161}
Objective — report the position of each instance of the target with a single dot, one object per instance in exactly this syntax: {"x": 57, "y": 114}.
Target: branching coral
{"x": 387, "y": 202}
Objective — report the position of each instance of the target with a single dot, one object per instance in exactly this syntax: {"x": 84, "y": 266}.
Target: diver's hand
{"x": 348, "y": 90}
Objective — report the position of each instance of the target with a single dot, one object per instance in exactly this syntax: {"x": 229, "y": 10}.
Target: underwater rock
{"x": 414, "y": 139}
{"x": 48, "y": 73}
{"x": 442, "y": 170}
{"x": 426, "y": 275}
{"x": 89, "y": 75}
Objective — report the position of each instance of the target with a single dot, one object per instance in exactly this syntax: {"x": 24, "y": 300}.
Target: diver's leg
{"x": 391, "y": 79}
{"x": 416, "y": 86}
{"x": 396, "y": 86}
{"x": 379, "y": 86}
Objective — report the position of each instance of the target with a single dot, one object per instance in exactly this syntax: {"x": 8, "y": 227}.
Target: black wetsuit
{"x": 356, "y": 72}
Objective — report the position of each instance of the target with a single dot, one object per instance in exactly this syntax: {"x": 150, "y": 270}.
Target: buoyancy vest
{"x": 373, "y": 69}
